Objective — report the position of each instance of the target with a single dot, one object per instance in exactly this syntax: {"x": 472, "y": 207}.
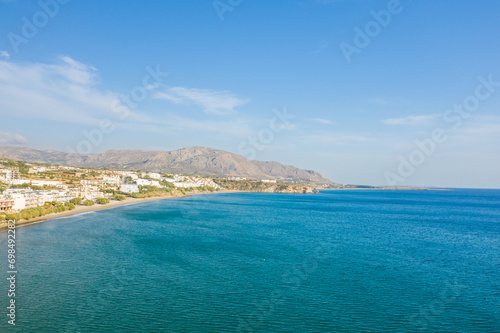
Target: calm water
{"x": 340, "y": 261}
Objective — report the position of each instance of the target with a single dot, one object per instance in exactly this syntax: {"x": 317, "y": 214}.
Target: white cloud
{"x": 413, "y": 120}
{"x": 69, "y": 91}
{"x": 66, "y": 91}
{"x": 7, "y": 138}
{"x": 4, "y": 54}
{"x": 214, "y": 102}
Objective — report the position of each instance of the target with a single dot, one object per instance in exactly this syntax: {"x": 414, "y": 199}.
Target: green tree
{"x": 102, "y": 201}
{"x": 76, "y": 201}
{"x": 88, "y": 203}
{"x": 70, "y": 205}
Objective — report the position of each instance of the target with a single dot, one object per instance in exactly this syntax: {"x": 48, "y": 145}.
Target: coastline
{"x": 84, "y": 209}
{"x": 130, "y": 201}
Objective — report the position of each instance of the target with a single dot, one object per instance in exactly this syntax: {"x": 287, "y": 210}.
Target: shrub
{"x": 14, "y": 217}
{"x": 120, "y": 197}
{"x": 70, "y": 205}
{"x": 76, "y": 201}
{"x": 102, "y": 201}
{"x": 88, "y": 203}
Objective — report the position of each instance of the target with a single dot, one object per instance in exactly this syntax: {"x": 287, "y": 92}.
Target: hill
{"x": 191, "y": 160}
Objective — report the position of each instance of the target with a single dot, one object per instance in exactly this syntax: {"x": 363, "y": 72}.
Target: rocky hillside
{"x": 192, "y": 160}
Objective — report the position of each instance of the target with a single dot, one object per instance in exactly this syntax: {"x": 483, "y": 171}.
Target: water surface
{"x": 339, "y": 261}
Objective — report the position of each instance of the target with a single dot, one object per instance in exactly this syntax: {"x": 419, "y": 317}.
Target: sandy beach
{"x": 83, "y": 209}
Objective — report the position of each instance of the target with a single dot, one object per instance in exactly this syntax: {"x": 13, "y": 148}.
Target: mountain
{"x": 191, "y": 160}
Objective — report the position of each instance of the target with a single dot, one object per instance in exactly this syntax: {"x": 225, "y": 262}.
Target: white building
{"x": 89, "y": 182}
{"x": 46, "y": 183}
{"x": 26, "y": 199}
{"x": 6, "y": 175}
{"x": 131, "y": 175}
{"x": 19, "y": 201}
{"x": 129, "y": 188}
{"x": 19, "y": 181}
{"x": 153, "y": 175}
{"x": 145, "y": 182}
{"x": 112, "y": 180}
{"x": 37, "y": 169}
{"x": 62, "y": 196}
{"x": 186, "y": 184}
{"x": 175, "y": 179}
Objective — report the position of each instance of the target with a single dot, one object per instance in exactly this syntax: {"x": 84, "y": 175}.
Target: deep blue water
{"x": 339, "y": 261}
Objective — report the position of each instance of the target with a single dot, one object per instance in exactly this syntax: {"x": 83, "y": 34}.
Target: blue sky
{"x": 354, "y": 118}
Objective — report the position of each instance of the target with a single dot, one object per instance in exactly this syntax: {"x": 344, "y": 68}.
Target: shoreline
{"x": 131, "y": 201}
{"x": 84, "y": 209}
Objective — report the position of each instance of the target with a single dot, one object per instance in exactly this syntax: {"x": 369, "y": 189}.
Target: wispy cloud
{"x": 69, "y": 91}
{"x": 421, "y": 120}
{"x": 321, "y": 121}
{"x": 336, "y": 139}
{"x": 214, "y": 102}
{"x": 4, "y": 54}
{"x": 483, "y": 132}
{"x": 66, "y": 91}
{"x": 7, "y": 138}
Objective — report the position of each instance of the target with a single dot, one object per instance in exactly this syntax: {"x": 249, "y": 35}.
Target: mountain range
{"x": 190, "y": 160}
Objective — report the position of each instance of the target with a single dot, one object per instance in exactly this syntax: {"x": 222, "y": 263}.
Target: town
{"x": 30, "y": 190}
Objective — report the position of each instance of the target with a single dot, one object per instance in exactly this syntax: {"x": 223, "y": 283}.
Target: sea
{"x": 337, "y": 261}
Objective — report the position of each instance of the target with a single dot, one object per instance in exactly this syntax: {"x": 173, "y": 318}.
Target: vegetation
{"x": 167, "y": 184}
{"x": 30, "y": 213}
{"x": 119, "y": 197}
{"x": 88, "y": 203}
{"x": 250, "y": 185}
{"x": 102, "y": 201}
{"x": 70, "y": 205}
{"x": 76, "y": 201}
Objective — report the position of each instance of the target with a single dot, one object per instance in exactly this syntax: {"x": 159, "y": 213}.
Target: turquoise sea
{"x": 339, "y": 261}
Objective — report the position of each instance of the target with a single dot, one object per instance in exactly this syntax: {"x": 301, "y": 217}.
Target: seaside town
{"x": 30, "y": 190}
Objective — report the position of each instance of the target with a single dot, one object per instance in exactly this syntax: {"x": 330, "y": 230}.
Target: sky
{"x": 364, "y": 92}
